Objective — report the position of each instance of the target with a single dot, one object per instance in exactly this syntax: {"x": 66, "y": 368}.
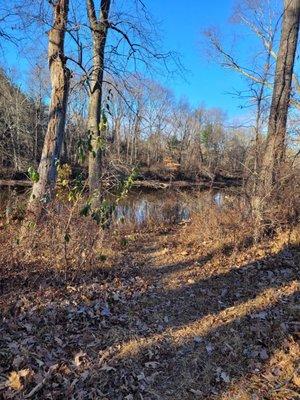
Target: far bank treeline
{"x": 94, "y": 108}
{"x": 141, "y": 126}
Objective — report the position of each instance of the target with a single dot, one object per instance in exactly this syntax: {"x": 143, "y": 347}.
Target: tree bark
{"x": 276, "y": 138}
{"x": 99, "y": 29}
{"x": 42, "y": 190}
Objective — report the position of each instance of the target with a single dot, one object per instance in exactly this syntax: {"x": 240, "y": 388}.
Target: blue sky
{"x": 182, "y": 24}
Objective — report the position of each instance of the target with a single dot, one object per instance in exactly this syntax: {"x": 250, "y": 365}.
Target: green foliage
{"x": 126, "y": 185}
{"x": 102, "y": 257}
{"x": 86, "y": 209}
{"x": 206, "y": 134}
{"x": 103, "y": 125}
{"x": 67, "y": 188}
{"x": 76, "y": 188}
{"x": 100, "y": 144}
{"x": 31, "y": 225}
{"x": 174, "y": 143}
{"x": 102, "y": 214}
{"x": 33, "y": 174}
{"x": 84, "y": 146}
{"x": 124, "y": 242}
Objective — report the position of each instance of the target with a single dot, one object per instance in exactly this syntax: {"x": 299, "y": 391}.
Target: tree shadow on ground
{"x": 190, "y": 300}
{"x": 207, "y": 365}
{"x": 120, "y": 324}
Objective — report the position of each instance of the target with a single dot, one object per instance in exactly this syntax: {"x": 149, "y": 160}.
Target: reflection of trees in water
{"x": 161, "y": 207}
{"x": 157, "y": 207}
{"x": 174, "y": 211}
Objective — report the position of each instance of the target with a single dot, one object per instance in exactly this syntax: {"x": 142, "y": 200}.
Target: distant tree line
{"x": 143, "y": 126}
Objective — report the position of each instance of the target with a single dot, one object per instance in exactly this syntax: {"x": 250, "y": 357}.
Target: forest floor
{"x": 167, "y": 321}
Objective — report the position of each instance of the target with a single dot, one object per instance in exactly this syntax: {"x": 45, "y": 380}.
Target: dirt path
{"x": 165, "y": 323}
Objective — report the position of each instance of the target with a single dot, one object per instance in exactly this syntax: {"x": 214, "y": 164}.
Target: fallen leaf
{"x": 106, "y": 367}
{"x": 78, "y": 358}
{"x": 225, "y": 377}
{"x": 152, "y": 364}
{"x": 196, "y": 392}
{"x": 14, "y": 381}
{"x": 141, "y": 376}
{"x": 296, "y": 380}
{"x": 17, "y": 361}
{"x": 209, "y": 348}
{"x": 105, "y": 311}
{"x": 263, "y": 354}
{"x": 197, "y": 339}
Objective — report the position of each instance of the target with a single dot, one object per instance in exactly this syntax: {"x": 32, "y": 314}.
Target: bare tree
{"x": 16, "y": 125}
{"x": 39, "y": 89}
{"x": 262, "y": 19}
{"x": 99, "y": 29}
{"x": 60, "y": 77}
{"x": 275, "y": 144}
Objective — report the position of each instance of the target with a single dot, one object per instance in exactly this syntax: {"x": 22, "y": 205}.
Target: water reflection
{"x": 164, "y": 206}
{"x": 140, "y": 207}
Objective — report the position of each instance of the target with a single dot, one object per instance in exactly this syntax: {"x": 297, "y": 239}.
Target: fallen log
{"x": 15, "y": 183}
{"x": 147, "y": 184}
{"x": 153, "y": 184}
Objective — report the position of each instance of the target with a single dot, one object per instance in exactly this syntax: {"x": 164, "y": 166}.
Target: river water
{"x": 143, "y": 207}
{"x": 165, "y": 206}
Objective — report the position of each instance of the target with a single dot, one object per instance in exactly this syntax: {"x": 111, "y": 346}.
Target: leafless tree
{"x": 99, "y": 29}
{"x": 60, "y": 78}
{"x": 276, "y": 138}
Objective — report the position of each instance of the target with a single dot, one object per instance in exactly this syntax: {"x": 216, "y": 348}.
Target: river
{"x": 143, "y": 207}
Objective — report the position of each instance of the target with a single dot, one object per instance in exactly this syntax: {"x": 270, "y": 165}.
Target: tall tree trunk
{"x": 275, "y": 145}
{"x": 99, "y": 29}
{"x": 60, "y": 79}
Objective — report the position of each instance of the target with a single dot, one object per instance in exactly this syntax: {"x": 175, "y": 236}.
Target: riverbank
{"x": 153, "y": 179}
{"x": 162, "y": 317}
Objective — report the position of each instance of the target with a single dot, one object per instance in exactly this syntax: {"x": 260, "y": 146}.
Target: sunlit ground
{"x": 163, "y": 323}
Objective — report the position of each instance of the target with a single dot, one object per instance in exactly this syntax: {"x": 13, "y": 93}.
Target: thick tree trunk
{"x": 60, "y": 78}
{"x": 95, "y": 156}
{"x": 275, "y": 145}
{"x": 99, "y": 29}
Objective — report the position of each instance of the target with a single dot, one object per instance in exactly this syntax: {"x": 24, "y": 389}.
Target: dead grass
{"x": 190, "y": 311}
{"x": 63, "y": 239}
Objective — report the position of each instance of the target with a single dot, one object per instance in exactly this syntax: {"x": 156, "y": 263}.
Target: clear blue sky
{"x": 182, "y": 25}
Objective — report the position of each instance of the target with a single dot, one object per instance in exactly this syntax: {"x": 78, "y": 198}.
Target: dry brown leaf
{"x": 296, "y": 380}
{"x": 14, "y": 381}
{"x": 24, "y": 372}
{"x": 106, "y": 367}
{"x": 151, "y": 364}
{"x": 79, "y": 358}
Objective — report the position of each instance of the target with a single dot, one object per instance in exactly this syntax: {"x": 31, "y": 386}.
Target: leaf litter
{"x": 157, "y": 326}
